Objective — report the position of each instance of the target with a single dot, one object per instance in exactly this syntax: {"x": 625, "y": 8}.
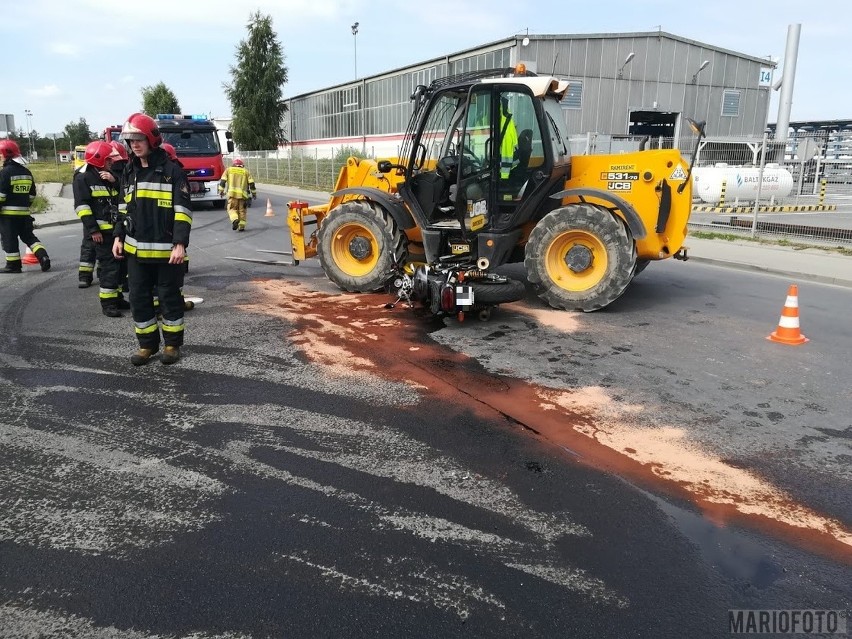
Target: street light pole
{"x": 29, "y": 115}
{"x": 355, "y": 43}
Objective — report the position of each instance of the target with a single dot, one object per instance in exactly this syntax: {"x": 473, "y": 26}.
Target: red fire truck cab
{"x": 197, "y": 145}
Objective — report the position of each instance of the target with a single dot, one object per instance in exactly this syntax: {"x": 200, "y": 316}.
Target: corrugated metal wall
{"x": 663, "y": 75}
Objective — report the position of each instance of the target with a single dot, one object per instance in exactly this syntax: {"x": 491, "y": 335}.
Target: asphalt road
{"x": 319, "y": 465}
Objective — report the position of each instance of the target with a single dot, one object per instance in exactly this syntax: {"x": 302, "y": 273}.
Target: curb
{"x": 819, "y": 279}
{"x": 44, "y": 225}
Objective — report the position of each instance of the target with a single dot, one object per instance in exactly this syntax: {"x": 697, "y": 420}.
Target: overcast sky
{"x": 89, "y": 58}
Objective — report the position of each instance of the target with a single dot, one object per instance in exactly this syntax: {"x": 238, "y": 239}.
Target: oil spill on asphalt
{"x": 357, "y": 335}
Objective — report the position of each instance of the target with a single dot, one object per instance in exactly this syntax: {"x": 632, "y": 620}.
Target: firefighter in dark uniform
{"x": 88, "y": 256}
{"x": 17, "y": 192}
{"x": 94, "y": 201}
{"x": 153, "y": 235}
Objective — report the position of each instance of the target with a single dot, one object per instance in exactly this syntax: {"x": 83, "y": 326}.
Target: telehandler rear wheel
{"x": 580, "y": 257}
{"x": 358, "y": 245}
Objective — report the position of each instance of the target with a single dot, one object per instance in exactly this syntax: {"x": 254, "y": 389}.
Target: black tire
{"x": 604, "y": 251}
{"x": 491, "y": 293}
{"x": 358, "y": 245}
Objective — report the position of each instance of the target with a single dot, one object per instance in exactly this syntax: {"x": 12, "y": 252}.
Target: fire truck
{"x": 197, "y": 145}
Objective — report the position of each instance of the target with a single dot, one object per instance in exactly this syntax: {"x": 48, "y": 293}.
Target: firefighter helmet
{"x": 9, "y": 149}
{"x": 97, "y": 153}
{"x": 140, "y": 125}
{"x": 170, "y": 150}
{"x": 238, "y": 162}
{"x": 120, "y": 148}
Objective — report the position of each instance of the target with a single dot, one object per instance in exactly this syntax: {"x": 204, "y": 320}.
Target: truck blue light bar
{"x": 178, "y": 116}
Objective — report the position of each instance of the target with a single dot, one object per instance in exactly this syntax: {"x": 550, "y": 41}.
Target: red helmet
{"x": 97, "y": 153}
{"x": 170, "y": 150}
{"x": 120, "y": 149}
{"x": 9, "y": 149}
{"x": 238, "y": 162}
{"x": 139, "y": 125}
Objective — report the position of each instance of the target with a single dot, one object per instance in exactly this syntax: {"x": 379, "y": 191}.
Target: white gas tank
{"x": 740, "y": 183}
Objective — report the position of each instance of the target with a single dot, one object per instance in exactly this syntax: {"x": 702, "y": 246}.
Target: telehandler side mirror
{"x": 698, "y": 129}
{"x": 384, "y": 166}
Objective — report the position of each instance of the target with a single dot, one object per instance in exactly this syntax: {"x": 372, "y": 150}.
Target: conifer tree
{"x": 256, "y": 88}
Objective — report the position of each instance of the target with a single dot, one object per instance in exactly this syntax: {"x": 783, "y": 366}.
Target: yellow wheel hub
{"x": 355, "y": 250}
{"x": 576, "y": 260}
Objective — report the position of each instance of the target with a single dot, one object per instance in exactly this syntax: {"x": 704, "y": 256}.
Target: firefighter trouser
{"x": 109, "y": 273}
{"x": 88, "y": 258}
{"x": 237, "y": 210}
{"x": 13, "y": 227}
{"x": 164, "y": 280}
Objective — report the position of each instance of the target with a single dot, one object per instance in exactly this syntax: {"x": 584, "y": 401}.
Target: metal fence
{"x": 301, "y": 170}
{"x": 805, "y": 182}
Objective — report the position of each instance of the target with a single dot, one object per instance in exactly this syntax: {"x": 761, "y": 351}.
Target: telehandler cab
{"x": 485, "y": 177}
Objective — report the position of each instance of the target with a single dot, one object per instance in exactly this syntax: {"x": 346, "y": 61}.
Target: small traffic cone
{"x": 29, "y": 257}
{"x": 788, "y": 326}
{"x": 269, "y": 211}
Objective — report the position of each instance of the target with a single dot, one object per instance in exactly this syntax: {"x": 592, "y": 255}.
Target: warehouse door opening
{"x": 655, "y": 124}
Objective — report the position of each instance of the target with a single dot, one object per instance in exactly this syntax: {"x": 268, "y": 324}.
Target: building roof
{"x": 515, "y": 38}
{"x": 817, "y": 125}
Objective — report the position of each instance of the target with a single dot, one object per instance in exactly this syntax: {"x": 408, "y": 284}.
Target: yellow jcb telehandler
{"x": 485, "y": 177}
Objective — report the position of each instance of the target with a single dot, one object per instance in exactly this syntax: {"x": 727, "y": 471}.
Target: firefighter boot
{"x": 122, "y": 303}
{"x": 234, "y": 224}
{"x": 142, "y": 356}
{"x": 111, "y": 310}
{"x": 43, "y": 259}
{"x": 11, "y": 268}
{"x": 171, "y": 354}
{"x": 84, "y": 282}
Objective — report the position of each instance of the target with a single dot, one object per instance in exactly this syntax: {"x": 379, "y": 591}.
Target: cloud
{"x": 66, "y": 49}
{"x": 127, "y": 79}
{"x": 47, "y": 91}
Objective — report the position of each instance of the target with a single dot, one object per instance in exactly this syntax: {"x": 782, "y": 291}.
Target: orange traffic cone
{"x": 29, "y": 257}
{"x": 788, "y": 326}
{"x": 269, "y": 211}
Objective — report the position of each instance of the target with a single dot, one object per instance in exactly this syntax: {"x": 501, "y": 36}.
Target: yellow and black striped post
{"x": 821, "y": 192}
{"x": 722, "y": 193}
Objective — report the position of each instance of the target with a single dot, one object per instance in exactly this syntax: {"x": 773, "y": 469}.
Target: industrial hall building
{"x": 621, "y": 85}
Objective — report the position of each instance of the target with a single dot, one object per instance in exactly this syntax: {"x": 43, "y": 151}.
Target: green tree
{"x": 159, "y": 99}
{"x": 78, "y": 133}
{"x": 256, "y": 88}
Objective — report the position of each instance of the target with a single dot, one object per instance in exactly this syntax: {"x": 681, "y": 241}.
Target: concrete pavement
{"x": 809, "y": 264}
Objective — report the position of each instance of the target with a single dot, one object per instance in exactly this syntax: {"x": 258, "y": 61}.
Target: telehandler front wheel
{"x": 358, "y": 245}
{"x": 580, "y": 257}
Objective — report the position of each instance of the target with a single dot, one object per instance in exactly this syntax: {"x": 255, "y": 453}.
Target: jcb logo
{"x": 618, "y": 186}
